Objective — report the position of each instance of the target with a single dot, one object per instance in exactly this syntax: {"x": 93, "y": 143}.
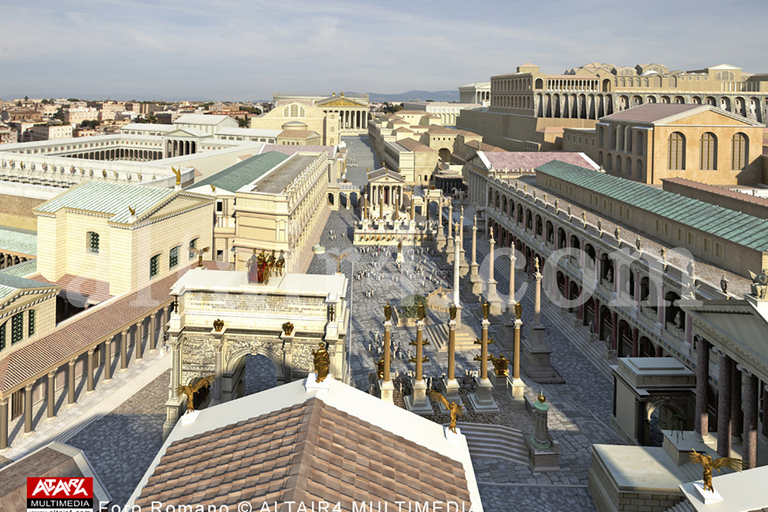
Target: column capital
{"x": 91, "y": 351}
{"x": 52, "y": 375}
{"x": 71, "y": 362}
{"x": 29, "y": 386}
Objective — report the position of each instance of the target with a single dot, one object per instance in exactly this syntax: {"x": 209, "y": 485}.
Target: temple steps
{"x": 494, "y": 442}
{"x": 437, "y": 334}
{"x": 683, "y": 506}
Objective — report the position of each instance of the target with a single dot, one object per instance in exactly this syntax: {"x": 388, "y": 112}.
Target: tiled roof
{"x": 205, "y": 119}
{"x": 25, "y": 269}
{"x": 42, "y": 463}
{"x": 652, "y": 112}
{"x": 92, "y": 290}
{"x": 441, "y": 130}
{"x": 107, "y": 198}
{"x": 289, "y": 150}
{"x": 298, "y": 134}
{"x": 412, "y": 145}
{"x": 760, "y": 201}
{"x": 402, "y": 129}
{"x": 513, "y": 160}
{"x": 68, "y": 341}
{"x": 739, "y": 228}
{"x": 18, "y": 240}
{"x": 242, "y": 173}
{"x": 306, "y": 453}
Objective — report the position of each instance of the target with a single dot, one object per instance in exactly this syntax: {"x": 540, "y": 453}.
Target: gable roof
{"x": 511, "y": 161}
{"x": 410, "y": 144}
{"x": 107, "y": 198}
{"x": 10, "y": 283}
{"x": 242, "y": 173}
{"x": 383, "y": 172}
{"x": 205, "y": 119}
{"x": 660, "y": 113}
{"x": 739, "y": 228}
{"x": 296, "y": 443}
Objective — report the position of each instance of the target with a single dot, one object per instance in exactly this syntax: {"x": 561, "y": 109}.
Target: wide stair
{"x": 495, "y": 442}
{"x": 683, "y": 506}
{"x": 437, "y": 334}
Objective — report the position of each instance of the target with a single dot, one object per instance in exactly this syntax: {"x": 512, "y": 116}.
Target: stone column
{"x": 124, "y": 350}
{"x": 460, "y": 241}
{"x": 418, "y": 402}
{"x": 537, "y": 297}
{"x": 420, "y": 350}
{"x": 3, "y": 424}
{"x": 635, "y": 342}
{"x": 702, "y": 385}
{"x": 138, "y": 335}
{"x": 493, "y": 297}
{"x": 750, "y": 418}
{"x": 108, "y": 359}
{"x": 153, "y": 332}
{"x": 387, "y": 388}
{"x": 71, "y": 383}
{"x": 482, "y": 399}
{"x": 449, "y": 243}
{"x": 540, "y": 437}
{"x": 737, "y": 416}
{"x": 50, "y": 392}
{"x": 724, "y": 407}
{"x": 456, "y": 284}
{"x": 511, "y": 300}
{"x": 218, "y": 365}
{"x": 515, "y": 385}
{"x": 28, "y": 409}
{"x": 474, "y": 276}
{"x": 764, "y": 433}
{"x": 89, "y": 384}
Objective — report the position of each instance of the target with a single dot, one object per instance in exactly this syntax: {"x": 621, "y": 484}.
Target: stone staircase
{"x": 495, "y": 441}
{"x": 437, "y": 334}
{"x": 683, "y": 506}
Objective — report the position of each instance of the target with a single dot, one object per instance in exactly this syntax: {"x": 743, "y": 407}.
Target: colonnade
{"x": 137, "y": 155}
{"x": 9, "y": 259}
{"x": 352, "y": 119}
{"x": 179, "y": 147}
{"x": 108, "y": 354}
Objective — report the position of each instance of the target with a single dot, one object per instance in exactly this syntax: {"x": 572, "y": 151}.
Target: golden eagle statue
{"x": 190, "y": 390}
{"x": 199, "y": 253}
{"x": 454, "y": 408}
{"x": 178, "y": 175}
{"x": 132, "y": 210}
{"x": 708, "y": 464}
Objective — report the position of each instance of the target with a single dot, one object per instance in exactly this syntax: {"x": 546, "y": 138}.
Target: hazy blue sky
{"x": 248, "y": 49}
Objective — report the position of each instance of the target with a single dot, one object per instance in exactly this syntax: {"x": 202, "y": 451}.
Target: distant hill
{"x": 414, "y": 96}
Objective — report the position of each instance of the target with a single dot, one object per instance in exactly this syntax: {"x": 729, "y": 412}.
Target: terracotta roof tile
{"x": 324, "y": 464}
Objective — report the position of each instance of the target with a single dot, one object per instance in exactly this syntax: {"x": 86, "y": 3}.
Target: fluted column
{"x": 702, "y": 387}
{"x": 420, "y": 350}
{"x": 484, "y": 350}
{"x": 724, "y": 407}
{"x": 387, "y": 349}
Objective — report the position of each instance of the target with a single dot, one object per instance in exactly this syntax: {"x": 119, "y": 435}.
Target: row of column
{"x": 119, "y": 154}
{"x": 9, "y": 260}
{"x": 737, "y": 403}
{"x": 353, "y": 119}
{"x": 105, "y": 348}
{"x": 175, "y": 147}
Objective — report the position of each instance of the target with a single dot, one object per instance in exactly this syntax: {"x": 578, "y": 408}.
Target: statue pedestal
{"x": 449, "y": 251}
{"x": 493, "y": 298}
{"x": 440, "y": 239}
{"x": 451, "y": 436}
{"x": 535, "y": 359}
{"x": 497, "y": 381}
{"x": 475, "y": 279}
{"x": 189, "y": 417}
{"x": 505, "y": 334}
{"x": 418, "y": 403}
{"x": 482, "y": 399}
{"x": 320, "y": 387}
{"x": 387, "y": 391}
{"x": 451, "y": 393}
{"x": 399, "y": 258}
{"x": 706, "y": 496}
{"x": 516, "y": 392}
{"x": 463, "y": 266}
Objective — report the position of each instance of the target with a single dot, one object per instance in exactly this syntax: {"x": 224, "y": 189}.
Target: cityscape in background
{"x": 531, "y": 292}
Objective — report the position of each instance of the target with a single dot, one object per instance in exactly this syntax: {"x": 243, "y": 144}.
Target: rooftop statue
{"x": 322, "y": 361}
{"x": 190, "y": 390}
{"x": 454, "y": 408}
{"x": 708, "y": 465}
{"x": 760, "y": 284}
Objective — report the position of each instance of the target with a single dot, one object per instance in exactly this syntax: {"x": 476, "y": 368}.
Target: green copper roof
{"x": 10, "y": 283}
{"x": 18, "y": 240}
{"x": 110, "y": 198}
{"x": 739, "y": 228}
{"x": 242, "y": 173}
{"x": 25, "y": 269}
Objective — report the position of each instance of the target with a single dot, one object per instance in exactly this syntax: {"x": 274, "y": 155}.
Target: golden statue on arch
{"x": 322, "y": 361}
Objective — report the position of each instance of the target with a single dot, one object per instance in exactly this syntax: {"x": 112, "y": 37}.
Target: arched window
{"x": 739, "y": 151}
{"x": 539, "y": 83}
{"x": 676, "y": 159}
{"x": 708, "y": 152}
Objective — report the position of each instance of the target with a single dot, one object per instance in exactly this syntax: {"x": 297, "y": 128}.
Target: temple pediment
{"x": 340, "y": 102}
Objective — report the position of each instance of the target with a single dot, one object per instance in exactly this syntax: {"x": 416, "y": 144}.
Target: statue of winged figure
{"x": 454, "y": 408}
{"x": 132, "y": 210}
{"x": 190, "y": 390}
{"x": 177, "y": 172}
{"x": 708, "y": 464}
{"x": 338, "y": 258}
{"x": 199, "y": 253}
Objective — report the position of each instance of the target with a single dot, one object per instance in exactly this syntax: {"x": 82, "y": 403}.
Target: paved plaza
{"x": 121, "y": 432}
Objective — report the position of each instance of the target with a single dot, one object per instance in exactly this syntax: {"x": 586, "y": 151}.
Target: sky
{"x": 240, "y": 50}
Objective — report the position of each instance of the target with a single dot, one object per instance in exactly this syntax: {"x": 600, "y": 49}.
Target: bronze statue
{"x": 638, "y": 244}
{"x": 663, "y": 253}
{"x": 176, "y": 304}
{"x": 759, "y": 286}
{"x": 452, "y": 311}
{"x": 387, "y": 312}
{"x": 724, "y": 284}
{"x": 287, "y": 328}
{"x": 213, "y": 189}
{"x": 178, "y": 175}
{"x": 518, "y": 310}
{"x": 104, "y": 173}
{"x": 454, "y": 408}
{"x": 199, "y": 253}
{"x": 421, "y": 311}
{"x": 708, "y": 465}
{"x": 322, "y": 362}
{"x": 500, "y": 364}
{"x": 486, "y": 310}
{"x": 132, "y": 210}
{"x": 192, "y": 389}
{"x": 617, "y": 233}
{"x": 218, "y": 325}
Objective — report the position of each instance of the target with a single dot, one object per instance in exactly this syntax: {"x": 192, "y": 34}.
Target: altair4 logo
{"x": 59, "y": 488}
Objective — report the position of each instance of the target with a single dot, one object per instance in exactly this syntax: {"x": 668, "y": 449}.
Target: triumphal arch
{"x": 219, "y": 317}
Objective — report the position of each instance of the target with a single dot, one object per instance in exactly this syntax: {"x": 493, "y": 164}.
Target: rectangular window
{"x": 719, "y": 250}
{"x": 658, "y": 226}
{"x": 173, "y": 257}
{"x": 93, "y": 242}
{"x": 707, "y": 245}
{"x": 679, "y": 235}
{"x": 219, "y": 205}
{"x": 691, "y": 238}
{"x": 31, "y": 323}
{"x": 193, "y": 245}
{"x": 154, "y": 265}
{"x": 666, "y": 228}
{"x": 17, "y": 328}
